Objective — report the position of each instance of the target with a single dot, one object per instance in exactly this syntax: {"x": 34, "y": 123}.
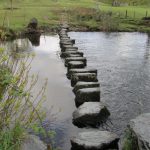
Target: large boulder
{"x": 76, "y": 64}
{"x": 71, "y": 53}
{"x": 82, "y": 85}
{"x": 140, "y": 128}
{"x": 85, "y": 70}
{"x": 95, "y": 140}
{"x": 87, "y": 77}
{"x": 87, "y": 95}
{"x": 33, "y": 24}
{"x": 90, "y": 114}
{"x": 67, "y": 60}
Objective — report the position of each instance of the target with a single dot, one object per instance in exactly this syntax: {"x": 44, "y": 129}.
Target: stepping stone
{"x": 65, "y": 26}
{"x": 67, "y": 40}
{"x": 70, "y": 53}
{"x": 68, "y": 46}
{"x": 65, "y": 44}
{"x": 95, "y": 140}
{"x": 90, "y": 114}
{"x": 76, "y": 64}
{"x": 67, "y": 60}
{"x": 87, "y": 77}
{"x": 85, "y": 70}
{"x": 71, "y": 49}
{"x": 140, "y": 130}
{"x": 63, "y": 36}
{"x": 87, "y": 95}
{"x": 82, "y": 85}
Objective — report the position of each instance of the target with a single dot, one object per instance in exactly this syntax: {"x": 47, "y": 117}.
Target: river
{"x": 123, "y": 64}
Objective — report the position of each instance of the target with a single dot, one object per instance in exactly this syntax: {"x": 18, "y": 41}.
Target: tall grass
{"x": 19, "y": 109}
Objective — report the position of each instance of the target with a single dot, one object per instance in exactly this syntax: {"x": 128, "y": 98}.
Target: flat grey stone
{"x": 33, "y": 142}
{"x": 87, "y": 77}
{"x": 67, "y": 60}
{"x": 67, "y": 46}
{"x": 95, "y": 140}
{"x": 64, "y": 40}
{"x": 90, "y": 114}
{"x": 63, "y": 36}
{"x": 81, "y": 85}
{"x": 140, "y": 126}
{"x": 87, "y": 95}
{"x": 63, "y": 46}
{"x": 76, "y": 64}
{"x": 69, "y": 53}
{"x": 71, "y": 49}
{"x": 85, "y": 70}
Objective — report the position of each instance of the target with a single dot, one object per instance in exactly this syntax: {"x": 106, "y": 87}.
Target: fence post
{"x": 146, "y": 14}
{"x": 126, "y": 14}
{"x": 134, "y": 15}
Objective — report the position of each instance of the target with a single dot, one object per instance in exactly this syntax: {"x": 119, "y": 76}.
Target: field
{"x": 80, "y": 13}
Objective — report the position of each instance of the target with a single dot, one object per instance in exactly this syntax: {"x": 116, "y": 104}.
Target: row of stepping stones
{"x": 90, "y": 111}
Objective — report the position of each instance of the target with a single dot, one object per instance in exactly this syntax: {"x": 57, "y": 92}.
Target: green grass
{"x": 48, "y": 12}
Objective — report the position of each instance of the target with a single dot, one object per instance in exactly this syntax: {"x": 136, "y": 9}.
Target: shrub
{"x": 19, "y": 108}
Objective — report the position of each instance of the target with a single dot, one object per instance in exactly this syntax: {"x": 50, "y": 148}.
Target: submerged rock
{"x": 85, "y": 70}
{"x": 70, "y": 53}
{"x": 82, "y": 85}
{"x": 87, "y": 95}
{"x": 95, "y": 140}
{"x": 32, "y": 142}
{"x": 90, "y": 114}
{"x": 76, "y": 64}
{"x": 87, "y": 77}
{"x": 140, "y": 128}
{"x": 67, "y": 60}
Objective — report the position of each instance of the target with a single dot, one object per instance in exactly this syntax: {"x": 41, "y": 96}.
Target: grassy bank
{"x": 80, "y": 14}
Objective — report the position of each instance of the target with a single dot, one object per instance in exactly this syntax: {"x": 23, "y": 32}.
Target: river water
{"x": 123, "y": 64}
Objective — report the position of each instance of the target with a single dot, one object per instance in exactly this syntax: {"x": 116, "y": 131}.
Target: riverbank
{"x": 86, "y": 15}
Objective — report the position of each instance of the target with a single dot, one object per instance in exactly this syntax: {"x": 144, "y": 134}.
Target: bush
{"x": 19, "y": 109}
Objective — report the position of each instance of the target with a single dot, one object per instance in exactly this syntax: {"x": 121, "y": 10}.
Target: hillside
{"x": 130, "y": 2}
{"x": 82, "y": 14}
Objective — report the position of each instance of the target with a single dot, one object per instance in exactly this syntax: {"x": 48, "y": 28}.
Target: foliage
{"x": 130, "y": 141}
{"x": 19, "y": 108}
{"x": 50, "y": 11}
{"x": 11, "y": 139}
{"x": 108, "y": 22}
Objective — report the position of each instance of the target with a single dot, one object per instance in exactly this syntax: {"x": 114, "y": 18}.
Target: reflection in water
{"x": 34, "y": 39}
{"x": 47, "y": 64}
{"x": 123, "y": 64}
